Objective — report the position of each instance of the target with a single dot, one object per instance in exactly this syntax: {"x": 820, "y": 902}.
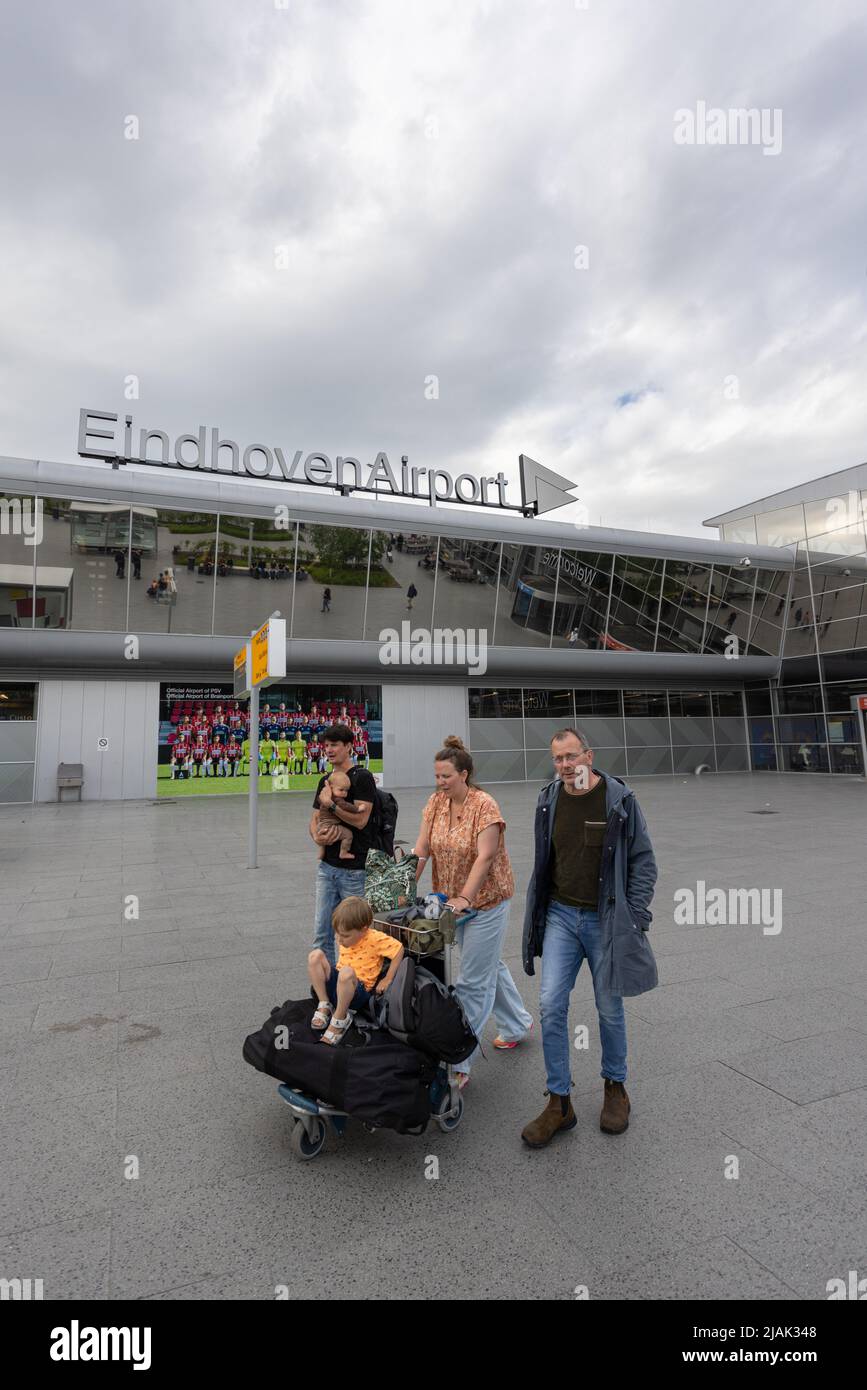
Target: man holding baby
{"x": 339, "y": 875}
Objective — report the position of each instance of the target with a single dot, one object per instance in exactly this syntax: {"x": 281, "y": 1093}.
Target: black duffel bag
{"x": 369, "y": 1074}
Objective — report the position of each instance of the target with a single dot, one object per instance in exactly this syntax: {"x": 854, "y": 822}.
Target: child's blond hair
{"x": 353, "y": 914}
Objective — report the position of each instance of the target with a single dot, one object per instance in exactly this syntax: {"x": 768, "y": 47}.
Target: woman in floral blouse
{"x": 462, "y": 833}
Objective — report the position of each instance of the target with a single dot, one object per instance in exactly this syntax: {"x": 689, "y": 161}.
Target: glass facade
{"x": 806, "y": 722}
{"x": 634, "y": 733}
{"x": 103, "y": 566}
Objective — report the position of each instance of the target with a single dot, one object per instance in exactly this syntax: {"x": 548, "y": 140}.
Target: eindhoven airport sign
{"x": 102, "y": 436}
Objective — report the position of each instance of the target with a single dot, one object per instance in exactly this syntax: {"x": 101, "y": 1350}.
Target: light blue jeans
{"x": 571, "y": 933}
{"x": 332, "y": 886}
{"x": 485, "y": 985}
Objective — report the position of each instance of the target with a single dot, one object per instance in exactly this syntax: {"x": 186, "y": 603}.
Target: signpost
{"x": 259, "y": 662}
{"x": 859, "y": 704}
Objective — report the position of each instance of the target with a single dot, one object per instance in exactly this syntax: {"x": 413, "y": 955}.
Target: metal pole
{"x": 254, "y": 778}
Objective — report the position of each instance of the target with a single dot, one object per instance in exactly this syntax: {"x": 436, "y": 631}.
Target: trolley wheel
{"x": 304, "y": 1147}
{"x": 445, "y": 1121}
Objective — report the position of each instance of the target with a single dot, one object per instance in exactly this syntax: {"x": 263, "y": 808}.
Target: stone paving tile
{"x": 809, "y": 1068}
{"x": 804, "y": 1013}
{"x": 753, "y": 1045}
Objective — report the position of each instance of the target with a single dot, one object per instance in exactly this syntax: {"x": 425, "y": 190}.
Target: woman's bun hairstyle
{"x": 454, "y": 751}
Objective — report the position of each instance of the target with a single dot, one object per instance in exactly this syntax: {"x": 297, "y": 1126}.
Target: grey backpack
{"x": 420, "y": 1010}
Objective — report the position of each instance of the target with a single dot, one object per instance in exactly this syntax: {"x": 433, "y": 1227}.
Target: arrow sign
{"x": 541, "y": 489}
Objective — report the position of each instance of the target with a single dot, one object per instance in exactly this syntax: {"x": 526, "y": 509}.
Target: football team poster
{"x": 204, "y": 736}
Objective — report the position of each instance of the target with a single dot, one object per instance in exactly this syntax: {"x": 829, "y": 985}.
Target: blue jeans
{"x": 571, "y": 933}
{"x": 485, "y": 985}
{"x": 332, "y": 886}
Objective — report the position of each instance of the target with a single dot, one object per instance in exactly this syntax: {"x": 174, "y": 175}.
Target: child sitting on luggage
{"x": 340, "y": 786}
{"x": 344, "y": 990}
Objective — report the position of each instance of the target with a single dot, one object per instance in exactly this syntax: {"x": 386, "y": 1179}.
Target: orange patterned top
{"x": 454, "y": 850}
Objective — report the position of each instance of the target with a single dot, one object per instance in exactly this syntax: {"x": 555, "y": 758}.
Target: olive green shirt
{"x": 579, "y": 830}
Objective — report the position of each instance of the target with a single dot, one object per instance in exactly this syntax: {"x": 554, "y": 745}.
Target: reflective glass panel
{"x": 172, "y": 587}
{"x": 254, "y": 572}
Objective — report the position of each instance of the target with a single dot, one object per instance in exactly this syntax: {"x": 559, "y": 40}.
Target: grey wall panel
{"x": 689, "y": 730}
{"x": 602, "y": 733}
{"x": 108, "y": 722}
{"x": 415, "y": 720}
{"x": 500, "y": 767}
{"x": 610, "y": 760}
{"x": 47, "y": 741}
{"x": 648, "y": 762}
{"x": 688, "y": 759}
{"x": 74, "y": 715}
{"x": 647, "y": 733}
{"x": 728, "y": 730}
{"x": 498, "y": 734}
{"x": 733, "y": 759}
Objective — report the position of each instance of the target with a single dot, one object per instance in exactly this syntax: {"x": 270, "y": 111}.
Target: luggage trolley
{"x": 430, "y": 943}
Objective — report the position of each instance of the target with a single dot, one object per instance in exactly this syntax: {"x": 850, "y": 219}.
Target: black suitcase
{"x": 370, "y": 1074}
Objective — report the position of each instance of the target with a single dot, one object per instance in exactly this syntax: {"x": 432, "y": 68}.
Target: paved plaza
{"x": 122, "y": 1041}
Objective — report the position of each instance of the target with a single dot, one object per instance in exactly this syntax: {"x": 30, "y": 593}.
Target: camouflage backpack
{"x": 389, "y": 883}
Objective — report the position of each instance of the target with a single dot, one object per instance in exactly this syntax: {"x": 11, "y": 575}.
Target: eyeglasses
{"x": 567, "y": 758}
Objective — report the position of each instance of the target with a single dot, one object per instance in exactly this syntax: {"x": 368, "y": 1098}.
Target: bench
{"x": 69, "y": 775}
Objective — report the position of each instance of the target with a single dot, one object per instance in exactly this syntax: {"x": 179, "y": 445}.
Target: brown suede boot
{"x": 615, "y": 1110}
{"x": 557, "y": 1115}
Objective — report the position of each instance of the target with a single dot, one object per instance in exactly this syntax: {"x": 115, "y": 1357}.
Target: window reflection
{"x": 846, "y": 540}
{"x": 683, "y": 607}
{"x": 254, "y": 555}
{"x": 85, "y": 561}
{"x": 489, "y": 703}
{"x": 172, "y": 582}
{"x": 742, "y": 530}
{"x": 583, "y": 588}
{"x": 21, "y": 519}
{"x": 729, "y": 607}
{"x": 466, "y": 584}
{"x": 780, "y": 527}
{"x": 525, "y": 601}
{"x": 331, "y": 586}
{"x": 400, "y": 586}
{"x": 635, "y": 594}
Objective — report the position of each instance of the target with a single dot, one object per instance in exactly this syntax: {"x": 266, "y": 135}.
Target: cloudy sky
{"x": 331, "y": 202}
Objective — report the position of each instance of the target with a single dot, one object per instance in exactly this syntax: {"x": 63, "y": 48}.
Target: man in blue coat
{"x": 589, "y": 896}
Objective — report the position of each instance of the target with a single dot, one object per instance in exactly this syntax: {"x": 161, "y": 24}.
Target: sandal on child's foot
{"x": 321, "y": 1017}
{"x": 336, "y": 1029}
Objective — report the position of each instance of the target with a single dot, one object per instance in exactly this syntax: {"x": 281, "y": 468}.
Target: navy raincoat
{"x": 626, "y": 881}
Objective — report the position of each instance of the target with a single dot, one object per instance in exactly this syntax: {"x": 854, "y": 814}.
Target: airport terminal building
{"x": 122, "y": 609}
